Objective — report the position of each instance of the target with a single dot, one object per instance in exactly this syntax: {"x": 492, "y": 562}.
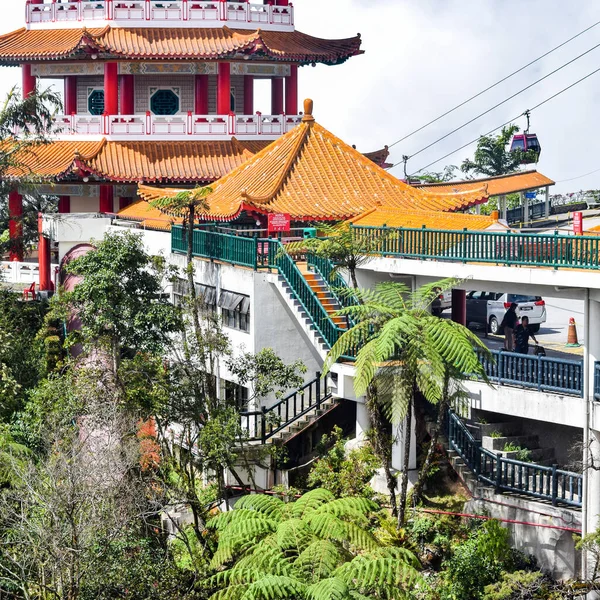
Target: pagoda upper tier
{"x": 274, "y": 15}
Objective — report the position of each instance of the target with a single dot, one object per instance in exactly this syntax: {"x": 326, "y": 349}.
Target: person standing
{"x": 522, "y": 335}
{"x": 508, "y": 325}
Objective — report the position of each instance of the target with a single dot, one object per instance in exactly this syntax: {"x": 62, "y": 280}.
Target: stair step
{"x": 506, "y": 429}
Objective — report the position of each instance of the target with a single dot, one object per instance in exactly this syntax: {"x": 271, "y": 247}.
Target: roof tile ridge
{"x": 15, "y": 32}
{"x": 91, "y": 155}
{"x": 305, "y": 128}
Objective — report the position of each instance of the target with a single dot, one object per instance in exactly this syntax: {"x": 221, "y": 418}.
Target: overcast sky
{"x": 423, "y": 57}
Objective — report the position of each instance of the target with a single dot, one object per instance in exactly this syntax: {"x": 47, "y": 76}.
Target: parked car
{"x": 441, "y": 303}
{"x": 488, "y": 309}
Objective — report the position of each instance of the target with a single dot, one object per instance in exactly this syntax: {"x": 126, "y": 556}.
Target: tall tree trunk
{"x": 381, "y": 443}
{"x": 404, "y": 480}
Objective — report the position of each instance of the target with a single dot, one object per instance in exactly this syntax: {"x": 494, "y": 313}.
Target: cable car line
{"x": 578, "y": 177}
{"x": 506, "y": 123}
{"x": 487, "y": 89}
{"x": 504, "y": 101}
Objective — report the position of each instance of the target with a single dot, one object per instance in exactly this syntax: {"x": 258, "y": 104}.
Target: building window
{"x": 164, "y": 101}
{"x": 235, "y": 310}
{"x": 207, "y": 294}
{"x": 234, "y": 394}
{"x": 232, "y": 100}
{"x": 95, "y": 101}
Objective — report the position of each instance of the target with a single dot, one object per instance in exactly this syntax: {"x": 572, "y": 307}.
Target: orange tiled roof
{"x": 393, "y": 217}
{"x": 157, "y": 162}
{"x": 172, "y": 43}
{"x": 496, "y": 186}
{"x": 311, "y": 174}
{"x": 149, "y": 217}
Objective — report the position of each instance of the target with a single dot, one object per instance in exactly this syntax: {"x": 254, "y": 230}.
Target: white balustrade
{"x": 21, "y": 272}
{"x": 87, "y": 124}
{"x": 127, "y": 125}
{"x": 171, "y": 125}
{"x": 207, "y": 125}
{"x": 158, "y": 12}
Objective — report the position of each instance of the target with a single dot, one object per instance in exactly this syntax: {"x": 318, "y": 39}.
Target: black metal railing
{"x": 535, "y": 372}
{"x": 508, "y": 475}
{"x": 264, "y": 424}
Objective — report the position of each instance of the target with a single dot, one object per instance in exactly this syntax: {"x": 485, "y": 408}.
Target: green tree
{"x": 316, "y": 548}
{"x": 494, "y": 157}
{"x": 405, "y": 353}
{"x": 448, "y": 174}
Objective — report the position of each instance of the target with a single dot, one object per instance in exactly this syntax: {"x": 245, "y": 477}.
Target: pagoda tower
{"x": 156, "y": 91}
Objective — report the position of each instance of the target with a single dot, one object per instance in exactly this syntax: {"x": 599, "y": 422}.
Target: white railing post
{"x": 108, "y": 10}
{"x": 148, "y": 123}
{"x": 148, "y": 10}
{"x": 79, "y": 10}
{"x": 189, "y": 122}
{"x": 258, "y": 122}
{"x": 53, "y": 11}
{"x": 223, "y": 10}
{"x": 292, "y": 17}
{"x": 27, "y": 12}
{"x": 185, "y": 10}
{"x": 270, "y": 13}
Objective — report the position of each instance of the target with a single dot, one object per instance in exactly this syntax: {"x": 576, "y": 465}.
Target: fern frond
{"x": 267, "y": 557}
{"x": 248, "y": 526}
{"x": 346, "y": 507}
{"x": 230, "y": 548}
{"x": 329, "y": 589}
{"x": 318, "y": 561}
{"x": 398, "y": 554}
{"x": 328, "y": 527}
{"x": 270, "y": 506}
{"x": 232, "y": 592}
{"x": 223, "y": 520}
{"x": 310, "y": 501}
{"x": 235, "y": 576}
{"x": 294, "y": 534}
{"x": 275, "y": 588}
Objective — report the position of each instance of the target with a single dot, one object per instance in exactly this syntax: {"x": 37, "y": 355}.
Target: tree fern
{"x": 294, "y": 534}
{"x": 327, "y": 526}
{"x": 270, "y": 506}
{"x": 310, "y": 502}
{"x": 329, "y": 589}
{"x": 353, "y": 508}
{"x": 231, "y": 592}
{"x": 274, "y": 587}
{"x": 318, "y": 561}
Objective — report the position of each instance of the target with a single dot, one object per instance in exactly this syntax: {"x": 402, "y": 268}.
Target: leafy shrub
{"x": 532, "y": 585}
{"x": 523, "y": 454}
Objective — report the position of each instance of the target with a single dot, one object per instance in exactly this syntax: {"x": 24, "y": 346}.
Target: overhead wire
{"x": 487, "y": 89}
{"x": 504, "y": 124}
{"x": 504, "y": 101}
{"x": 578, "y": 177}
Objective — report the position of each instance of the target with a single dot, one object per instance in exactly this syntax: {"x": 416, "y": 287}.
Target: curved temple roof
{"x": 172, "y": 43}
{"x": 312, "y": 175}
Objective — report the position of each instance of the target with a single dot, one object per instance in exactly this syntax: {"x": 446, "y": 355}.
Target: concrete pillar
{"x": 201, "y": 95}
{"x": 44, "y": 258}
{"x": 15, "y": 226}
{"x": 248, "y": 95}
{"x": 70, "y": 95}
{"x": 127, "y": 93}
{"x": 64, "y": 204}
{"x": 503, "y": 208}
{"x": 106, "y": 199}
{"x": 224, "y": 89}
{"x": 276, "y": 95}
{"x": 459, "y": 306}
{"x": 593, "y": 495}
{"x": 478, "y": 209}
{"x": 29, "y": 81}
{"x": 291, "y": 92}
{"x": 111, "y": 88}
{"x": 547, "y": 202}
{"x": 363, "y": 423}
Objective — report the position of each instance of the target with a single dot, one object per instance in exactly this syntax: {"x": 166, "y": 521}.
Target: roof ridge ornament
{"x": 308, "y": 111}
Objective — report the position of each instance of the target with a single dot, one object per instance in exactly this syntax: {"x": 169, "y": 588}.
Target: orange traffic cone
{"x": 572, "y": 341}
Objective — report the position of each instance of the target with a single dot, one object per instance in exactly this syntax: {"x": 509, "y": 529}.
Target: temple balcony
{"x": 50, "y": 14}
{"x": 173, "y": 127}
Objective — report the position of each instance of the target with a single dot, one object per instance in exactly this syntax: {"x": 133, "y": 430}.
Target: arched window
{"x": 95, "y": 101}
{"x": 164, "y": 101}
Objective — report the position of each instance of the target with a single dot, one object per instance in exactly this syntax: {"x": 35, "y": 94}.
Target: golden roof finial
{"x": 308, "y": 111}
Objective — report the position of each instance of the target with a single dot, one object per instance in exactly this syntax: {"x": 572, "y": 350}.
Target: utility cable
{"x": 504, "y": 124}
{"x": 487, "y": 89}
{"x": 578, "y": 177}
{"x": 504, "y": 101}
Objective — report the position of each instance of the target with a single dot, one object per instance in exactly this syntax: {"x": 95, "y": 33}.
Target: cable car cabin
{"x": 528, "y": 142}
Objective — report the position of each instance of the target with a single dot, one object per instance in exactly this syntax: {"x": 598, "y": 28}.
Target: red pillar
{"x": 15, "y": 227}
{"x": 111, "y": 88}
{"x": 29, "y": 81}
{"x": 224, "y": 89}
{"x": 70, "y": 95}
{"x": 44, "y": 258}
{"x": 248, "y": 95}
{"x": 291, "y": 92}
{"x": 276, "y": 95}
{"x": 64, "y": 204}
{"x": 127, "y": 93}
{"x": 201, "y": 95}
{"x": 106, "y": 199}
{"x": 459, "y": 306}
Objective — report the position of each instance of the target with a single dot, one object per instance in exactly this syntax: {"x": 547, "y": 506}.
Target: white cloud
{"x": 424, "y": 56}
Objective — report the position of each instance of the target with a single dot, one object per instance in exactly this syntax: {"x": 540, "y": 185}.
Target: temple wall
{"x": 83, "y": 83}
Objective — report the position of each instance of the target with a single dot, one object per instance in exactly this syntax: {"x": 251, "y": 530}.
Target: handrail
{"x": 264, "y": 424}
{"x": 508, "y": 475}
{"x": 535, "y": 372}
{"x": 500, "y": 248}
{"x": 597, "y": 381}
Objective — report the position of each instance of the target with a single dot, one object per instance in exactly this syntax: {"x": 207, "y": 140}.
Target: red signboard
{"x": 578, "y": 223}
{"x": 279, "y": 222}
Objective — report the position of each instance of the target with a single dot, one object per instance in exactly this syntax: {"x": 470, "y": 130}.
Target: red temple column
{"x": 70, "y": 95}
{"x": 224, "y": 89}
{"x": 106, "y": 199}
{"x": 111, "y": 88}
{"x": 29, "y": 81}
{"x": 201, "y": 95}
{"x": 276, "y": 95}
{"x": 44, "y": 258}
{"x": 459, "y": 306}
{"x": 15, "y": 227}
{"x": 248, "y": 95}
{"x": 64, "y": 204}
{"x": 127, "y": 93}
{"x": 291, "y": 92}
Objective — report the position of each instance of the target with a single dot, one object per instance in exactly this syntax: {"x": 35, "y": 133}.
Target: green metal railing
{"x": 526, "y": 249}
